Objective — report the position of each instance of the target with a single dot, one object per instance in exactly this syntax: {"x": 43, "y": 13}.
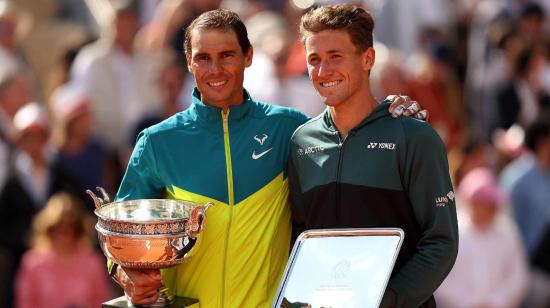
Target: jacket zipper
{"x": 229, "y": 169}
{"x": 341, "y": 144}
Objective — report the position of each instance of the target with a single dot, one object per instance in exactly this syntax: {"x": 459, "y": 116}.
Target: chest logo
{"x": 260, "y": 139}
{"x": 256, "y": 156}
{"x": 381, "y": 145}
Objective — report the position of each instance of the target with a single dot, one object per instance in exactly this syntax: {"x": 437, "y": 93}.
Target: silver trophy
{"x": 148, "y": 233}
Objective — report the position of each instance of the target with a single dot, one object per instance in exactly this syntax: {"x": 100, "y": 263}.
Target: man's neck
{"x": 349, "y": 114}
{"x": 223, "y": 105}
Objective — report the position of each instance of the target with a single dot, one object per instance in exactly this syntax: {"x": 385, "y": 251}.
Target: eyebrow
{"x": 332, "y": 51}
{"x": 200, "y": 54}
{"x": 228, "y": 51}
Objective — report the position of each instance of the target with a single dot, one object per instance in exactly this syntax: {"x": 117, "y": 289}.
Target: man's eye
{"x": 226, "y": 55}
{"x": 313, "y": 61}
{"x": 202, "y": 58}
{"x": 335, "y": 57}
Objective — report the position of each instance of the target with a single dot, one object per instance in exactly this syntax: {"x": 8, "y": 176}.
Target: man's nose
{"x": 324, "y": 69}
{"x": 215, "y": 66}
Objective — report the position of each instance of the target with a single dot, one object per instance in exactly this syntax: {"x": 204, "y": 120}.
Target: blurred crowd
{"x": 80, "y": 79}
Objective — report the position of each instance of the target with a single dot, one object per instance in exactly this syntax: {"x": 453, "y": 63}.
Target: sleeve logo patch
{"x": 444, "y": 200}
{"x": 309, "y": 150}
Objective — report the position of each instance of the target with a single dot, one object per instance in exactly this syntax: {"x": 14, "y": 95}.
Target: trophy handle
{"x": 181, "y": 252}
{"x": 194, "y": 226}
{"x": 196, "y": 221}
{"x": 98, "y": 202}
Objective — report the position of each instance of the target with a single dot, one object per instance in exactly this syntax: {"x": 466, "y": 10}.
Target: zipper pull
{"x": 225, "y": 117}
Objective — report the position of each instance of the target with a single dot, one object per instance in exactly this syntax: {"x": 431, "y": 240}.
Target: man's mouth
{"x": 216, "y": 84}
{"x": 329, "y": 84}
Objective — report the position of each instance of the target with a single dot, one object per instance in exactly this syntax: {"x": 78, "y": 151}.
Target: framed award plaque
{"x": 339, "y": 268}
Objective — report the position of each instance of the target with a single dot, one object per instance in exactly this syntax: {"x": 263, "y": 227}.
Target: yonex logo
{"x": 381, "y": 145}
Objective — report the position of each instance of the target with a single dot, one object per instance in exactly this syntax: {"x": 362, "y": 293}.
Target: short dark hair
{"x": 531, "y": 9}
{"x": 354, "y": 19}
{"x": 537, "y": 130}
{"x": 219, "y": 19}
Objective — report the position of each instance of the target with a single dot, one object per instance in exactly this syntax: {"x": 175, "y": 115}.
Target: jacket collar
{"x": 236, "y": 112}
{"x": 378, "y": 112}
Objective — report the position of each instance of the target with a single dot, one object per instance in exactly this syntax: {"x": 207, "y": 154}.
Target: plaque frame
{"x": 331, "y": 233}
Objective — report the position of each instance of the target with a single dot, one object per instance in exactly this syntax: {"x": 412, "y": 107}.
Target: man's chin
{"x": 330, "y": 101}
{"x": 214, "y": 96}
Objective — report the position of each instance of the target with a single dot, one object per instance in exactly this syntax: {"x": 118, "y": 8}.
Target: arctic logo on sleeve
{"x": 309, "y": 150}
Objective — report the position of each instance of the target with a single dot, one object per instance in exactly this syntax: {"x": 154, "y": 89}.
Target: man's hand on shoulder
{"x": 141, "y": 286}
{"x": 402, "y": 105}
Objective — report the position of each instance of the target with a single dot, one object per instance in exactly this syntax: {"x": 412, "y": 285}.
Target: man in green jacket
{"x": 356, "y": 166}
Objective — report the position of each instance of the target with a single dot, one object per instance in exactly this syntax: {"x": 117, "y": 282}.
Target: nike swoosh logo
{"x": 256, "y": 156}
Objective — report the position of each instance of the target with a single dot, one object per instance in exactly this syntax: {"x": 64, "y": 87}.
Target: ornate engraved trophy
{"x": 148, "y": 233}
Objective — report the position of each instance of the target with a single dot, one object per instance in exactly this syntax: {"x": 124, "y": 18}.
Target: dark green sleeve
{"x": 425, "y": 176}
{"x": 296, "y": 201}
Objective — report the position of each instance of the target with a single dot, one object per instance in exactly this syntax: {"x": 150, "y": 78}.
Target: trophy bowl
{"x": 147, "y": 233}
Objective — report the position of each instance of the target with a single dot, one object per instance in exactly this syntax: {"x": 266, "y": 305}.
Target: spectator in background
{"x": 14, "y": 93}
{"x": 433, "y": 81}
{"x": 119, "y": 78}
{"x": 530, "y": 201}
{"x": 491, "y": 268}
{"x": 46, "y": 40}
{"x": 512, "y": 144}
{"x": 389, "y": 75}
{"x": 166, "y": 30}
{"x": 10, "y": 57}
{"x": 273, "y": 77}
{"x": 524, "y": 97}
{"x": 32, "y": 179}
{"x": 473, "y": 154}
{"x": 531, "y": 21}
{"x": 78, "y": 151}
{"x": 61, "y": 269}
{"x": 170, "y": 83}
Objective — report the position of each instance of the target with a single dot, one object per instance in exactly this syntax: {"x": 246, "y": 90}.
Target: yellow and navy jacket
{"x": 387, "y": 173}
{"x": 237, "y": 160}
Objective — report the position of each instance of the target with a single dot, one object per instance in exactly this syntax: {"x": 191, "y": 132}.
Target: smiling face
{"x": 217, "y": 62}
{"x": 338, "y": 71}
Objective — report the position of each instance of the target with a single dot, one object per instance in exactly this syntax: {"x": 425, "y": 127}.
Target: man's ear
{"x": 368, "y": 59}
{"x": 188, "y": 59}
{"x": 248, "y": 57}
